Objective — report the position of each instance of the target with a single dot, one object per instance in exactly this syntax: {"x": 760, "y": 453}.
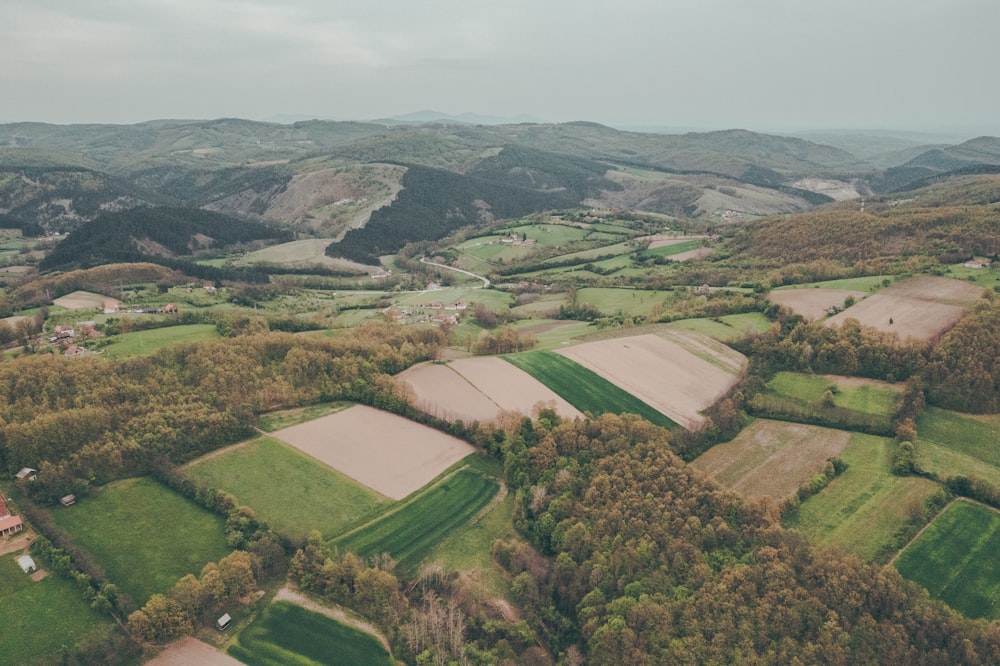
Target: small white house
{"x": 223, "y": 622}
{"x": 27, "y": 564}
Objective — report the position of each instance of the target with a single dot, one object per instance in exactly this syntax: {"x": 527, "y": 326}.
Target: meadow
{"x": 143, "y": 343}
{"x": 144, "y": 535}
{"x": 861, "y": 510}
{"x": 726, "y": 328}
{"x": 410, "y": 532}
{"x": 973, "y": 436}
{"x": 286, "y": 634}
{"x": 293, "y": 492}
{"x": 40, "y": 618}
{"x": 583, "y": 388}
{"x": 957, "y": 559}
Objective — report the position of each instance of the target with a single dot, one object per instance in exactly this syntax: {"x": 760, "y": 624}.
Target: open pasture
{"x": 857, "y": 404}
{"x": 143, "y": 343}
{"x": 813, "y": 304}
{"x": 39, "y": 618}
{"x": 299, "y": 254}
{"x": 726, "y": 328}
{"x": 409, "y": 533}
{"x": 921, "y": 308}
{"x": 480, "y": 389}
{"x": 286, "y": 634}
{"x": 664, "y": 374}
{"x": 81, "y": 300}
{"x": 144, "y": 535}
{"x": 583, "y": 388}
{"x": 610, "y": 300}
{"x": 696, "y": 253}
{"x": 293, "y": 492}
{"x": 860, "y": 510}
{"x": 957, "y": 558}
{"x": 772, "y": 458}
{"x": 385, "y": 452}
{"x": 952, "y": 444}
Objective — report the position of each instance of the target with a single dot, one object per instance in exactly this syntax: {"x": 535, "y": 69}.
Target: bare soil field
{"x": 921, "y": 308}
{"x": 189, "y": 650}
{"x": 79, "y": 300}
{"x": 661, "y": 240}
{"x": 692, "y": 254}
{"x": 772, "y": 458}
{"x": 389, "y": 454}
{"x": 662, "y": 373}
{"x": 480, "y": 389}
{"x": 813, "y": 304}
{"x": 15, "y": 269}
{"x": 303, "y": 253}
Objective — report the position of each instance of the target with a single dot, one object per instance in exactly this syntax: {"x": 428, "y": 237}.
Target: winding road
{"x": 446, "y": 267}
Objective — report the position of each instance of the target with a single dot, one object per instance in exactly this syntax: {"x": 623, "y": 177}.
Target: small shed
{"x": 68, "y": 500}
{"x": 27, "y": 473}
{"x": 27, "y": 564}
{"x": 223, "y": 622}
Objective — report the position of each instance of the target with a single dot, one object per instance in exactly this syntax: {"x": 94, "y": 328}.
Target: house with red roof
{"x": 9, "y": 524}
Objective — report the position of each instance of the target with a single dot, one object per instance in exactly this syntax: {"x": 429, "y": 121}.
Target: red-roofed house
{"x": 8, "y": 524}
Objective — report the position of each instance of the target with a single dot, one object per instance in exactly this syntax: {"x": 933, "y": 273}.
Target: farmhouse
{"x": 27, "y": 473}
{"x": 27, "y": 564}
{"x": 111, "y": 306}
{"x": 9, "y": 524}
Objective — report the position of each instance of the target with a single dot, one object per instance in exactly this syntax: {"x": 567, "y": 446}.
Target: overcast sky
{"x": 758, "y": 64}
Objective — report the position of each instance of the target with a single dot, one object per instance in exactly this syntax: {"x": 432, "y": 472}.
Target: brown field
{"x": 772, "y": 458}
{"x": 921, "y": 308}
{"x": 78, "y": 300}
{"x": 389, "y": 454}
{"x": 15, "y": 269}
{"x": 480, "y": 389}
{"x": 678, "y": 380}
{"x": 813, "y": 304}
{"x": 692, "y": 254}
{"x": 660, "y": 240}
{"x": 189, "y": 650}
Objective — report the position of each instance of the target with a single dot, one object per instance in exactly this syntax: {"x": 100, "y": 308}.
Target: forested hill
{"x": 153, "y": 234}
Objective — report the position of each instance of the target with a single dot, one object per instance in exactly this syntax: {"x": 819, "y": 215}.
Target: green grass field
{"x": 957, "y": 559}
{"x": 142, "y": 343}
{"x": 973, "y": 436}
{"x": 39, "y": 619}
{"x": 630, "y": 301}
{"x": 671, "y": 250}
{"x": 288, "y": 635}
{"x": 411, "y": 532}
{"x": 728, "y": 328}
{"x": 862, "y": 508}
{"x": 272, "y": 421}
{"x": 873, "y": 398}
{"x": 291, "y": 491}
{"x": 144, "y": 535}
{"x": 869, "y": 283}
{"x": 583, "y": 388}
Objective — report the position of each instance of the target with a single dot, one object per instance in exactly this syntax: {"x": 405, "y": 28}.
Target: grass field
{"x": 142, "y": 343}
{"x": 728, "y": 327}
{"x": 286, "y": 634}
{"x": 869, "y": 283}
{"x": 671, "y": 250}
{"x": 957, "y": 559}
{"x": 144, "y": 535}
{"x": 39, "y": 619}
{"x": 288, "y": 417}
{"x": 973, "y": 436}
{"x": 583, "y": 388}
{"x": 631, "y": 301}
{"x": 867, "y": 397}
{"x": 862, "y": 508}
{"x": 293, "y": 492}
{"x": 422, "y": 522}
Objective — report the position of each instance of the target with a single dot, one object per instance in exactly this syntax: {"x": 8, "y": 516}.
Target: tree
{"x": 161, "y": 620}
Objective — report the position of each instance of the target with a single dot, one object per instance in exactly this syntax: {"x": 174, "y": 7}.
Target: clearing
{"x": 143, "y": 343}
{"x": 679, "y": 377}
{"x": 950, "y": 444}
{"x": 387, "y": 453}
{"x": 957, "y": 559}
{"x": 480, "y": 389}
{"x": 293, "y": 492}
{"x": 772, "y": 458}
{"x": 922, "y": 308}
{"x": 144, "y": 535}
{"x": 814, "y": 303}
{"x": 80, "y": 300}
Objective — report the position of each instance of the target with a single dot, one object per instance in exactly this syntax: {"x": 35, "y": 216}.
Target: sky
{"x": 765, "y": 65}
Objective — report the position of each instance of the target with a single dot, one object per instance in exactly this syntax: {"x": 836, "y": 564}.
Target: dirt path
{"x": 427, "y": 261}
{"x": 333, "y": 612}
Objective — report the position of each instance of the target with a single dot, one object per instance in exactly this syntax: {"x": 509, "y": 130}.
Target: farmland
{"x": 410, "y": 532}
{"x": 921, "y": 308}
{"x": 814, "y": 303}
{"x": 862, "y": 508}
{"x": 142, "y": 343}
{"x": 290, "y": 490}
{"x": 771, "y": 458}
{"x": 40, "y": 618}
{"x": 951, "y": 444}
{"x": 286, "y": 633}
{"x": 583, "y": 388}
{"x": 957, "y": 558}
{"x": 385, "y": 452}
{"x": 81, "y": 300}
{"x": 144, "y": 535}
{"x": 480, "y": 389}
{"x": 678, "y": 377}
{"x": 726, "y": 328}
